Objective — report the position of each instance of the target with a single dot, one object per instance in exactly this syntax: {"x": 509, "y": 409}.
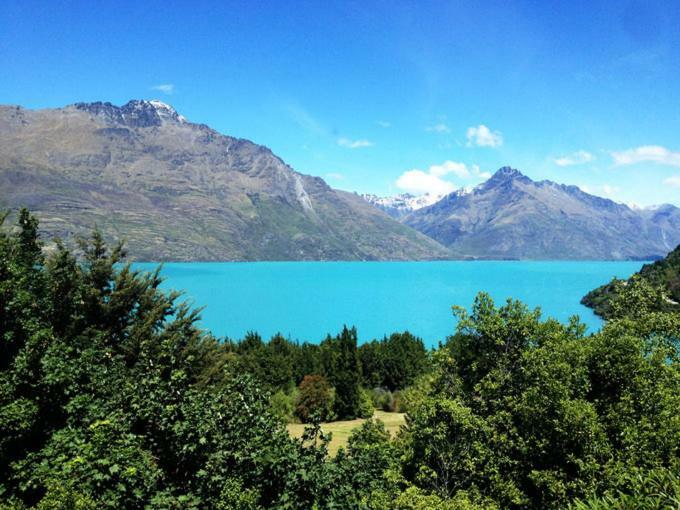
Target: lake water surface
{"x": 307, "y": 300}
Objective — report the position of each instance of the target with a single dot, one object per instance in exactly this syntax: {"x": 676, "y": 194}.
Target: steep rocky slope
{"x": 176, "y": 190}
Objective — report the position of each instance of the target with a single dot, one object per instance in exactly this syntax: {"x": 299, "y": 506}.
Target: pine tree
{"x": 346, "y": 375}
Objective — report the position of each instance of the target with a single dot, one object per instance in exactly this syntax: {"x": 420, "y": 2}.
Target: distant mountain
{"x": 512, "y": 217}
{"x": 182, "y": 191}
{"x": 664, "y": 273}
{"x": 399, "y": 206}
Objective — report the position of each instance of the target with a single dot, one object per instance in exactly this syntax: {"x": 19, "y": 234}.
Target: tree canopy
{"x": 112, "y": 397}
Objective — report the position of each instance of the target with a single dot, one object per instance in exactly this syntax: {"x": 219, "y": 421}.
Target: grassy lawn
{"x": 342, "y": 429}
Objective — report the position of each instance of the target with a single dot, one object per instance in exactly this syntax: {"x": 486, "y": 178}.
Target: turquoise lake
{"x": 307, "y": 300}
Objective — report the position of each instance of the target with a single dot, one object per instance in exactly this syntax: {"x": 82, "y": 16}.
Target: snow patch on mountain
{"x": 136, "y": 113}
{"x": 400, "y": 205}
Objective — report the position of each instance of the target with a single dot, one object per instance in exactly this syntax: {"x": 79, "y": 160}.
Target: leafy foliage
{"x": 111, "y": 397}
{"x": 315, "y": 399}
{"x": 658, "y": 489}
{"x": 344, "y": 372}
{"x": 111, "y": 394}
{"x": 394, "y": 362}
{"x": 662, "y": 275}
{"x": 533, "y": 413}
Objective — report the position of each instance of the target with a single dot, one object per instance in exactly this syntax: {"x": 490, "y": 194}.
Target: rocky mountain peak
{"x": 181, "y": 191}
{"x": 135, "y": 113}
{"x": 504, "y": 176}
{"x": 507, "y": 172}
{"x": 512, "y": 216}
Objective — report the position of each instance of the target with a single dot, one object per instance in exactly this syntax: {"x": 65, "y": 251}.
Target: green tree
{"x": 345, "y": 374}
{"x": 110, "y": 392}
{"x": 314, "y": 399}
{"x": 371, "y": 358}
{"x": 404, "y": 359}
{"x": 393, "y": 362}
{"x": 535, "y": 414}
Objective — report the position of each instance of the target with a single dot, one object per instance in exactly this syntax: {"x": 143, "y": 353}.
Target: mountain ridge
{"x": 510, "y": 216}
{"x": 177, "y": 190}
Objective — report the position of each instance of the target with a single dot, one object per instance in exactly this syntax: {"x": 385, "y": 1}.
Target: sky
{"x": 383, "y": 97}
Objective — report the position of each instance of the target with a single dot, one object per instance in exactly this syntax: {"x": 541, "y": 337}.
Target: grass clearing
{"x": 342, "y": 429}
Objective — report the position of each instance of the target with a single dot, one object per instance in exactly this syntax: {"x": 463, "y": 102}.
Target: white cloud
{"x": 673, "y": 181}
{"x": 305, "y": 120}
{"x": 336, "y": 176}
{"x": 606, "y": 190}
{"x": 647, "y": 154}
{"x": 609, "y": 190}
{"x": 482, "y": 136}
{"x": 450, "y": 167}
{"x": 576, "y": 158}
{"x": 419, "y": 183}
{"x": 384, "y": 124}
{"x": 438, "y": 128}
{"x": 354, "y": 144}
{"x": 431, "y": 180}
{"x": 165, "y": 88}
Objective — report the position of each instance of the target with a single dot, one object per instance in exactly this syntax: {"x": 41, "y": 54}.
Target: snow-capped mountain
{"x": 135, "y": 113}
{"x": 399, "y": 206}
{"x": 176, "y": 190}
{"x": 510, "y": 216}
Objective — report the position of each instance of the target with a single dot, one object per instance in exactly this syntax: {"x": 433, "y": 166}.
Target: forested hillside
{"x": 111, "y": 397}
{"x": 663, "y": 274}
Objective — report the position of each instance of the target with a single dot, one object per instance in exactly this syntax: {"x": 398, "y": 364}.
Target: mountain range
{"x": 511, "y": 216}
{"x": 177, "y": 190}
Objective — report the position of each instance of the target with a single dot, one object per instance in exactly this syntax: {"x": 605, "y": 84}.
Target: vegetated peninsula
{"x": 175, "y": 190}
{"x": 663, "y": 274}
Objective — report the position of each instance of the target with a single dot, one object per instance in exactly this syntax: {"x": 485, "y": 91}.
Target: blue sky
{"x": 387, "y": 96}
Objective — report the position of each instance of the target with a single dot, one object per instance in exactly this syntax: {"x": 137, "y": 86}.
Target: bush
{"x": 414, "y": 395}
{"x": 381, "y": 398}
{"x": 235, "y": 497}
{"x": 283, "y": 405}
{"x": 59, "y": 497}
{"x": 416, "y": 499}
{"x": 314, "y": 400}
{"x": 390, "y": 402}
{"x": 366, "y": 408}
{"x": 659, "y": 488}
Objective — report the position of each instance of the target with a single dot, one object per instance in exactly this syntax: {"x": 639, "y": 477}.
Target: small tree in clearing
{"x": 314, "y": 399}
